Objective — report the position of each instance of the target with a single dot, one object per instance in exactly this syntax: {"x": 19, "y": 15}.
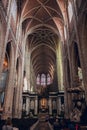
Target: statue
{"x": 75, "y": 115}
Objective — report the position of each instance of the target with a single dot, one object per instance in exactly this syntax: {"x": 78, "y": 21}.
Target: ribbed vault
{"x": 43, "y": 24}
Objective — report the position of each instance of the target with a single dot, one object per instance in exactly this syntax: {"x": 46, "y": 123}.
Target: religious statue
{"x": 75, "y": 115}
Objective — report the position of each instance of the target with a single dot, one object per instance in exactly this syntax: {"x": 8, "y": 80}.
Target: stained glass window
{"x": 38, "y": 79}
{"x": 14, "y": 9}
{"x": 43, "y": 79}
{"x": 70, "y": 11}
{"x": 48, "y": 79}
{"x": 25, "y": 84}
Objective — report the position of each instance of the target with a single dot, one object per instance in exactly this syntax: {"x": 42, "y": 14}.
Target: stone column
{"x": 66, "y": 82}
{"x": 58, "y": 105}
{"x": 19, "y": 88}
{"x": 59, "y": 67}
{"x": 36, "y": 106}
{"x": 81, "y": 35}
{"x": 27, "y": 105}
{"x": 50, "y": 106}
{"x": 2, "y": 45}
{"x": 4, "y": 32}
{"x": 27, "y": 66}
{"x": 8, "y": 101}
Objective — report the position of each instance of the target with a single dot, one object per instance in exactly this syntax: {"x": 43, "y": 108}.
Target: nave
{"x": 43, "y": 60}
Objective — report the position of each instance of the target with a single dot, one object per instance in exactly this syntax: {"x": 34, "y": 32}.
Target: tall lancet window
{"x": 70, "y": 11}
{"x": 38, "y": 79}
{"x": 43, "y": 79}
{"x": 14, "y": 10}
{"x": 25, "y": 87}
{"x": 48, "y": 79}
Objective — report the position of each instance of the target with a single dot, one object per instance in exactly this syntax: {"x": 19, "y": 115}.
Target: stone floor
{"x": 42, "y": 123}
{"x": 42, "y": 126}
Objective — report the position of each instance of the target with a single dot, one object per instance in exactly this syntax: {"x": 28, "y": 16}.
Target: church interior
{"x": 43, "y": 60}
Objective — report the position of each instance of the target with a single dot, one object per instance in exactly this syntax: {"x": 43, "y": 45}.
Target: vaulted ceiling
{"x": 43, "y": 25}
